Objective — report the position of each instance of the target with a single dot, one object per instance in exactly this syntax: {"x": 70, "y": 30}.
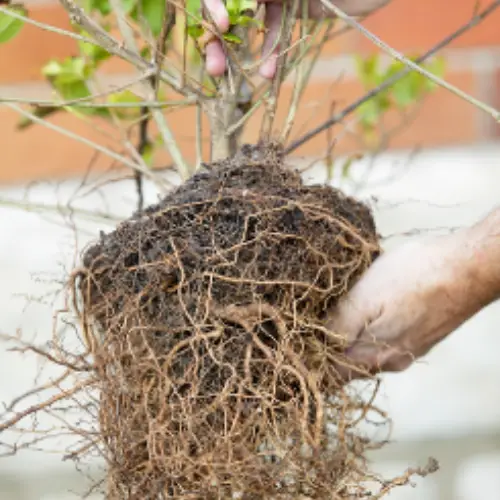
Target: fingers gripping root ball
{"x": 206, "y": 313}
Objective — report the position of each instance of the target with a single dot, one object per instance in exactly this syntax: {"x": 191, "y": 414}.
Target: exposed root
{"x": 204, "y": 319}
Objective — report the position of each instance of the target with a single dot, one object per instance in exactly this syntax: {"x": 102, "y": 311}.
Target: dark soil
{"x": 206, "y": 316}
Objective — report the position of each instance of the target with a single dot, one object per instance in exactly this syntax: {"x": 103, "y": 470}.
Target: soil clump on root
{"x": 205, "y": 315}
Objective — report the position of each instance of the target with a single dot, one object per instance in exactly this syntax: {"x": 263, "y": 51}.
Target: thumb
{"x": 348, "y": 319}
{"x": 272, "y": 22}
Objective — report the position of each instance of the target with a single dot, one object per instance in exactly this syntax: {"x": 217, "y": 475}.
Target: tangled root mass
{"x": 206, "y": 317}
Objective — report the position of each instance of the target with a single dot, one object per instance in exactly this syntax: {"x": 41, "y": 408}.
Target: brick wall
{"x": 442, "y": 119}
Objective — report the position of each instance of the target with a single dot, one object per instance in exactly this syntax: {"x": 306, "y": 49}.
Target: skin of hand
{"x": 415, "y": 295}
{"x": 215, "y": 57}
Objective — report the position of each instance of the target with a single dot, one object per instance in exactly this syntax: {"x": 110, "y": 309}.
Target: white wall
{"x": 447, "y": 406}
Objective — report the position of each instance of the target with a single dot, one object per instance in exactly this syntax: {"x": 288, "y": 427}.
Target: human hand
{"x": 410, "y": 299}
{"x": 215, "y": 57}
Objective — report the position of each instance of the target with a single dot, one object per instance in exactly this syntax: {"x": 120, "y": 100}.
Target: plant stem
{"x": 477, "y": 19}
{"x": 141, "y": 149}
{"x": 304, "y": 73}
{"x": 112, "y": 154}
{"x": 151, "y": 87}
{"x": 235, "y": 98}
{"x": 107, "y": 42}
{"x": 264, "y": 91}
{"x": 284, "y": 37}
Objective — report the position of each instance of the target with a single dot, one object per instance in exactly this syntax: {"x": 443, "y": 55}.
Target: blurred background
{"x": 440, "y": 169}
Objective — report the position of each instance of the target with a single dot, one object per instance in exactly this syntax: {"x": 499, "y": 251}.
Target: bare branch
{"x": 150, "y": 88}
{"x": 42, "y": 207}
{"x": 112, "y": 154}
{"x": 40, "y": 103}
{"x": 48, "y": 27}
{"x": 288, "y": 22}
{"x": 264, "y": 90}
{"x": 106, "y": 41}
{"x": 477, "y": 19}
{"x": 141, "y": 149}
{"x": 304, "y": 73}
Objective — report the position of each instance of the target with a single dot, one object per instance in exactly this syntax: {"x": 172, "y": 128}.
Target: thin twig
{"x": 123, "y": 26}
{"x": 128, "y": 38}
{"x": 48, "y": 27}
{"x": 107, "y": 42}
{"x": 299, "y": 84}
{"x": 159, "y": 54}
{"x": 60, "y": 209}
{"x": 84, "y": 101}
{"x": 402, "y": 59}
{"x": 151, "y": 86}
{"x": 235, "y": 94}
{"x": 101, "y": 39}
{"x": 477, "y": 19}
{"x": 112, "y": 154}
{"x": 264, "y": 90}
{"x": 285, "y": 35}
{"x": 98, "y": 105}
{"x": 141, "y": 149}
{"x": 303, "y": 76}
{"x": 199, "y": 128}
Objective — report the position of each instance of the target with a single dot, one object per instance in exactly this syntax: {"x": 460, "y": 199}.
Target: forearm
{"x": 482, "y": 265}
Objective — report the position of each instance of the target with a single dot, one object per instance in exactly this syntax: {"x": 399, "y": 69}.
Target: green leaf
{"x": 102, "y": 6}
{"x": 10, "y": 27}
{"x": 148, "y": 154}
{"x": 193, "y": 13}
{"x": 233, "y": 6}
{"x": 126, "y": 96}
{"x": 406, "y": 91}
{"x": 230, "y": 37}
{"x": 346, "y": 167}
{"x": 69, "y": 79}
{"x": 93, "y": 52}
{"x": 74, "y": 90}
{"x": 330, "y": 167}
{"x": 70, "y": 70}
{"x": 248, "y": 5}
{"x": 79, "y": 90}
{"x": 40, "y": 112}
{"x": 370, "y": 113}
{"x": 437, "y": 67}
{"x": 195, "y": 31}
{"x": 129, "y": 5}
{"x": 152, "y": 11}
{"x": 158, "y": 141}
{"x": 245, "y": 21}
{"x": 236, "y": 7}
{"x": 146, "y": 52}
{"x": 368, "y": 70}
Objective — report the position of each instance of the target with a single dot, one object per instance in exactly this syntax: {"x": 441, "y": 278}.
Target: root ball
{"x": 206, "y": 317}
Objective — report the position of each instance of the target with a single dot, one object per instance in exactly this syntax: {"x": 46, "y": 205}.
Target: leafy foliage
{"x": 73, "y": 78}
{"x": 10, "y": 26}
{"x": 404, "y": 93}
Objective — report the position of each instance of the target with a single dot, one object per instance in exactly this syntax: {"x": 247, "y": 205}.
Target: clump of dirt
{"x": 205, "y": 316}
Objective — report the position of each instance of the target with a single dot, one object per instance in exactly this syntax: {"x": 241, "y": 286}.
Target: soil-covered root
{"x": 205, "y": 314}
